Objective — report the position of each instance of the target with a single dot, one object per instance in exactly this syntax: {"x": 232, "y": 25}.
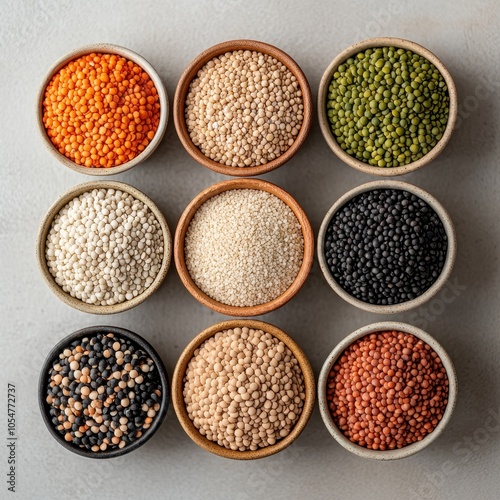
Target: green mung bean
{"x": 387, "y": 107}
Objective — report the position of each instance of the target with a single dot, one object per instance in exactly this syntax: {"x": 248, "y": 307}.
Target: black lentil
{"x": 87, "y": 402}
{"x": 385, "y": 246}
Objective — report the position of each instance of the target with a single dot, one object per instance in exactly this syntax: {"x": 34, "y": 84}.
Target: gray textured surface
{"x": 463, "y": 463}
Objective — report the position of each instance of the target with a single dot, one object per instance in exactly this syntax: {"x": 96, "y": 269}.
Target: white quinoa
{"x": 104, "y": 247}
{"x": 244, "y": 109}
{"x": 244, "y": 247}
{"x": 244, "y": 389}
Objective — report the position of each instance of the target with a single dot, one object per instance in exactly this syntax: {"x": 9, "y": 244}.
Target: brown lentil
{"x": 387, "y": 390}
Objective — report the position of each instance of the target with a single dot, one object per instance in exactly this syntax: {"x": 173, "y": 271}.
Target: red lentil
{"x": 101, "y": 110}
{"x": 387, "y": 390}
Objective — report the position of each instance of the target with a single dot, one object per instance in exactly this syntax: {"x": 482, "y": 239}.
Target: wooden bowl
{"x": 178, "y": 386}
{"x": 104, "y": 48}
{"x": 433, "y": 289}
{"x": 385, "y": 42}
{"x": 126, "y": 334}
{"x": 183, "y": 88}
{"x": 183, "y": 226}
{"x": 45, "y": 228}
{"x": 414, "y": 447}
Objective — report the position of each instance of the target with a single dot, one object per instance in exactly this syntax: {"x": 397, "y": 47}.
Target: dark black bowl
{"x": 143, "y": 344}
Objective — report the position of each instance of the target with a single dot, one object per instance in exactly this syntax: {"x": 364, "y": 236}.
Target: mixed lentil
{"x": 103, "y": 392}
{"x": 385, "y": 246}
{"x": 244, "y": 247}
{"x": 244, "y": 389}
{"x": 244, "y": 108}
{"x": 387, "y": 107}
{"x": 101, "y": 110}
{"x": 105, "y": 247}
{"x": 387, "y": 390}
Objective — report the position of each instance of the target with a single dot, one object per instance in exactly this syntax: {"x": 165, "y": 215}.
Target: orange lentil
{"x": 399, "y": 399}
{"x": 90, "y": 98}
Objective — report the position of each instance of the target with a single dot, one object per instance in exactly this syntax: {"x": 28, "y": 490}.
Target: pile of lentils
{"x": 101, "y": 110}
{"x": 387, "y": 390}
{"x": 105, "y": 247}
{"x": 244, "y": 108}
{"x": 385, "y": 246}
{"x": 103, "y": 392}
{"x": 387, "y": 107}
{"x": 244, "y": 389}
{"x": 244, "y": 247}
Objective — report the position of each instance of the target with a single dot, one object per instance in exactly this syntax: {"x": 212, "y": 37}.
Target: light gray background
{"x": 463, "y": 462}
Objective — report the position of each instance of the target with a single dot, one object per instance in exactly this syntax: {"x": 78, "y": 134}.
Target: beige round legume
{"x": 244, "y": 109}
{"x": 231, "y": 396}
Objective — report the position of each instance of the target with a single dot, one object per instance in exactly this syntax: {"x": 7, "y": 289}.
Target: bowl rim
{"x": 414, "y": 447}
{"x": 386, "y": 42}
{"x": 190, "y": 72}
{"x": 143, "y": 344}
{"x": 450, "y": 252}
{"x": 213, "y": 447}
{"x": 44, "y": 229}
{"x": 228, "y": 185}
{"x": 104, "y": 48}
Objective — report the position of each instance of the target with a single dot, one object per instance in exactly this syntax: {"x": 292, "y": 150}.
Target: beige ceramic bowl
{"x": 183, "y": 226}
{"x": 432, "y": 290}
{"x": 178, "y": 387}
{"x": 407, "y": 450}
{"x": 183, "y": 88}
{"x": 45, "y": 228}
{"x": 385, "y": 42}
{"x": 104, "y": 48}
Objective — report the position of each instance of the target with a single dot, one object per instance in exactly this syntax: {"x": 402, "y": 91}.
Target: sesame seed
{"x": 244, "y": 247}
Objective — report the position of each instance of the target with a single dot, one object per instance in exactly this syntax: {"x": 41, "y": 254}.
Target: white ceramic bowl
{"x": 104, "y": 48}
{"x": 432, "y": 290}
{"x": 407, "y": 450}
{"x": 375, "y": 43}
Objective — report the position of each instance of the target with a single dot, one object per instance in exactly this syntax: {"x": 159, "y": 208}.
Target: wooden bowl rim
{"x": 414, "y": 447}
{"x": 185, "y": 220}
{"x": 450, "y": 252}
{"x": 44, "y": 229}
{"x": 143, "y": 344}
{"x": 104, "y": 48}
{"x": 183, "y": 87}
{"x": 386, "y": 42}
{"x": 178, "y": 383}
